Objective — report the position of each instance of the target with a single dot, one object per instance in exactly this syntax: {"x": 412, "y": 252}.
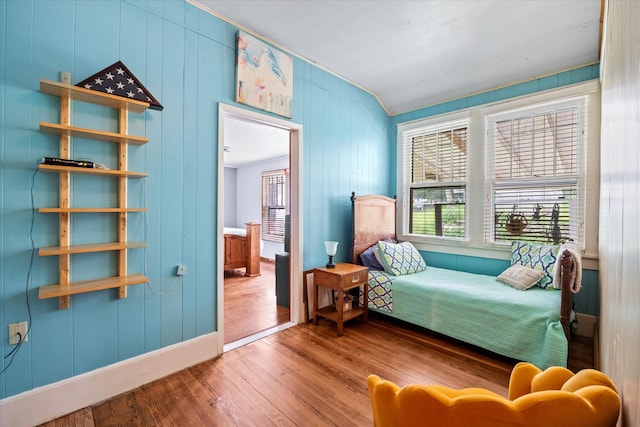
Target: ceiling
{"x": 411, "y": 54}
{"x": 247, "y": 141}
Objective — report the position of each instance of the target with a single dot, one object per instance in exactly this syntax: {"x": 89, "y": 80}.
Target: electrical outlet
{"x": 17, "y": 330}
{"x": 180, "y": 270}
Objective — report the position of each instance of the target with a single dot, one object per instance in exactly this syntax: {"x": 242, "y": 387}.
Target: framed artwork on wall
{"x": 264, "y": 76}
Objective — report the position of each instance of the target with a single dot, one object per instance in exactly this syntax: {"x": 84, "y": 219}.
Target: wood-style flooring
{"x": 250, "y": 303}
{"x": 305, "y": 376}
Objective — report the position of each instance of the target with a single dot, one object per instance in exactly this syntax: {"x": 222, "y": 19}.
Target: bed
{"x": 242, "y": 248}
{"x": 531, "y": 325}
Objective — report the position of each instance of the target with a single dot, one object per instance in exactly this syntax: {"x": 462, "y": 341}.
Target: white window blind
{"x": 434, "y": 161}
{"x": 275, "y": 204}
{"x": 535, "y": 174}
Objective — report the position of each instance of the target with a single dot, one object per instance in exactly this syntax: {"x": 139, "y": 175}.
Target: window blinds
{"x": 535, "y": 174}
{"x": 435, "y": 174}
{"x": 275, "y": 204}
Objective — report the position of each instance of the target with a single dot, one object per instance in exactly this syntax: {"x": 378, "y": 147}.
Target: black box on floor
{"x": 282, "y": 279}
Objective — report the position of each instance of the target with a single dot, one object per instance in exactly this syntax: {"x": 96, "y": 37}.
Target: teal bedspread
{"x": 477, "y": 309}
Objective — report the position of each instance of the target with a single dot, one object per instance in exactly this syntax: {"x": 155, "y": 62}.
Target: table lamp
{"x": 331, "y": 248}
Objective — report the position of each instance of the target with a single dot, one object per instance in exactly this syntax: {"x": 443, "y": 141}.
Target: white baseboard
{"x": 48, "y": 402}
{"x": 586, "y": 323}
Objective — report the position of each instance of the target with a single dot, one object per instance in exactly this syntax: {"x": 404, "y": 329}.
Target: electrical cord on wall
{"x": 144, "y": 254}
{"x": 21, "y": 339}
{"x": 14, "y": 351}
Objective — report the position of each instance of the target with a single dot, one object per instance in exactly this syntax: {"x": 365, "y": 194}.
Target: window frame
{"x": 576, "y": 178}
{"x": 474, "y": 243}
{"x": 266, "y": 229}
{"x": 429, "y": 126}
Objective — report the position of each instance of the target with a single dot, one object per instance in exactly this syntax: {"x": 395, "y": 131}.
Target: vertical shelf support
{"x": 123, "y": 124}
{"x": 64, "y": 221}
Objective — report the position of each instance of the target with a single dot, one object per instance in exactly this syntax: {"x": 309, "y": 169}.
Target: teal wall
{"x": 586, "y": 301}
{"x": 186, "y": 58}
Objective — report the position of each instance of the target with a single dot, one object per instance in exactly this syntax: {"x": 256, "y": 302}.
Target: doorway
{"x": 252, "y": 145}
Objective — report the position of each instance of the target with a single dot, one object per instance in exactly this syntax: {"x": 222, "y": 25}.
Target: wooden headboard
{"x": 374, "y": 219}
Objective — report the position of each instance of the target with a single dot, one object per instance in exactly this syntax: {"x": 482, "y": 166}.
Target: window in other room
{"x": 275, "y": 204}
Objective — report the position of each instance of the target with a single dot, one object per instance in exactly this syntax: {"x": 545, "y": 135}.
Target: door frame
{"x": 295, "y": 254}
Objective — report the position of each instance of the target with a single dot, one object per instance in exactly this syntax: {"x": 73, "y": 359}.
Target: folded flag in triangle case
{"x": 117, "y": 80}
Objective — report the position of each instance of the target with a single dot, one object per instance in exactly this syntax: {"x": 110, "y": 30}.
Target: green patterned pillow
{"x": 538, "y": 257}
{"x": 401, "y": 258}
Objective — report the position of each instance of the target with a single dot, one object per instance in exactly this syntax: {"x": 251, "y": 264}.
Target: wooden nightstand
{"x": 341, "y": 278}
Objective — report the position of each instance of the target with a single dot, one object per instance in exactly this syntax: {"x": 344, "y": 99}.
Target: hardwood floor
{"x": 304, "y": 375}
{"x": 250, "y": 303}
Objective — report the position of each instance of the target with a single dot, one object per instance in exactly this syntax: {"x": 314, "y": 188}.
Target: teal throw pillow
{"x": 538, "y": 257}
{"x": 400, "y": 258}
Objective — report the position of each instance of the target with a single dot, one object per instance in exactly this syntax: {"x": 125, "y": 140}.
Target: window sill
{"x": 492, "y": 251}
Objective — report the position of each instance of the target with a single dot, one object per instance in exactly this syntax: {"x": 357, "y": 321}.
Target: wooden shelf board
{"x": 91, "y": 210}
{"x": 58, "y": 129}
{"x": 93, "y": 247}
{"x": 87, "y": 95}
{"x": 54, "y": 291}
{"x": 331, "y": 313}
{"x": 91, "y": 171}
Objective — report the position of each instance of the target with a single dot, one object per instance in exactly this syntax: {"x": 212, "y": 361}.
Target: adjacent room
{"x": 297, "y": 212}
{"x": 256, "y": 199}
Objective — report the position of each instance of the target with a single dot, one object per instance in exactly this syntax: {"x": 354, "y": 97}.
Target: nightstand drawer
{"x": 355, "y": 279}
{"x": 327, "y": 279}
{"x": 345, "y": 277}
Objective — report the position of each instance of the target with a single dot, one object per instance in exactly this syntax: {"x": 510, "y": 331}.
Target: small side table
{"x": 341, "y": 278}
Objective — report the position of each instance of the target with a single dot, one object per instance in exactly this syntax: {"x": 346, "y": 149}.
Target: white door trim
{"x": 295, "y": 159}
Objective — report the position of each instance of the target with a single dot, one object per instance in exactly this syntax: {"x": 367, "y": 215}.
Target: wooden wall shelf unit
{"x": 65, "y": 250}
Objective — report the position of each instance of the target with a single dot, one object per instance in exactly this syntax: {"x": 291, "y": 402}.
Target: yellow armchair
{"x": 555, "y": 397}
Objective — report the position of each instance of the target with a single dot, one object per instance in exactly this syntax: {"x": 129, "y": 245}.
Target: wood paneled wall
{"x": 619, "y": 205}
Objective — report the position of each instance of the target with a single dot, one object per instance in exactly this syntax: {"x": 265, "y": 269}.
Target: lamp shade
{"x": 331, "y": 248}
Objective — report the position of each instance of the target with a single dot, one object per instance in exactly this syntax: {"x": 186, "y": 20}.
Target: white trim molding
{"x": 52, "y": 401}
